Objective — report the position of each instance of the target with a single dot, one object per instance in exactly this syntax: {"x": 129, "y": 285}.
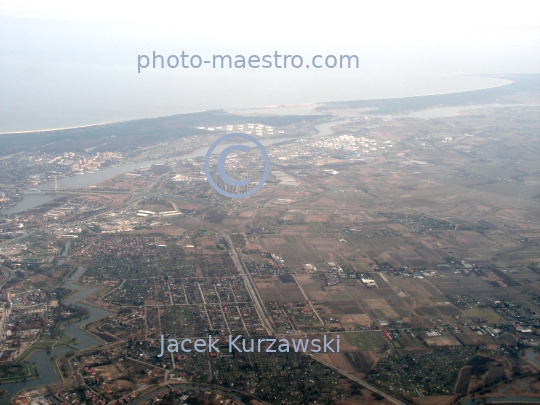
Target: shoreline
{"x": 225, "y": 109}
{"x": 101, "y": 124}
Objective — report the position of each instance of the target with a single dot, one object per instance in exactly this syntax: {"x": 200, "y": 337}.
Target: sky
{"x": 65, "y": 63}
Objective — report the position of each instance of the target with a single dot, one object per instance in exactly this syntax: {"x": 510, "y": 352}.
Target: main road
{"x": 252, "y": 290}
{"x": 8, "y": 275}
{"x": 361, "y": 382}
{"x": 265, "y": 318}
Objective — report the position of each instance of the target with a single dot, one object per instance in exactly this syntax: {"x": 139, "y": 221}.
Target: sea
{"x": 74, "y": 106}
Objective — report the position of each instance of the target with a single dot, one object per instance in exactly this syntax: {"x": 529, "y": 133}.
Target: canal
{"x": 41, "y": 359}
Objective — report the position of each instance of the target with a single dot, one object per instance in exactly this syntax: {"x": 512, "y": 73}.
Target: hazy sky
{"x": 68, "y": 63}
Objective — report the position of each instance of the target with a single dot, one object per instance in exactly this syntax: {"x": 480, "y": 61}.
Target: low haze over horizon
{"x": 64, "y": 66}
{"x": 282, "y": 203}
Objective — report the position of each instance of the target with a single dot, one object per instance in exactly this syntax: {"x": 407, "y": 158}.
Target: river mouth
{"x": 31, "y": 201}
{"x": 46, "y": 368}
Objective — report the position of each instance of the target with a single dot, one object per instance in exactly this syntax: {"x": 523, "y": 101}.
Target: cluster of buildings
{"x": 37, "y": 396}
{"x": 78, "y": 163}
{"x": 24, "y": 314}
{"x": 342, "y": 146}
{"x": 353, "y": 144}
{"x": 292, "y": 317}
{"x": 27, "y": 171}
{"x": 519, "y": 315}
{"x": 248, "y": 129}
{"x": 162, "y": 214}
{"x": 9, "y": 198}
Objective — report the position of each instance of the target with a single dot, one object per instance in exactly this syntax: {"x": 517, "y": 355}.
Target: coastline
{"x": 100, "y": 124}
{"x": 253, "y": 110}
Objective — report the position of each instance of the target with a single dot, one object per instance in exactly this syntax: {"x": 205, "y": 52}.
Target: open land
{"x": 414, "y": 240}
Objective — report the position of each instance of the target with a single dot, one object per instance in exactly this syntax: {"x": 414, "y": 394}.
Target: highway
{"x": 265, "y": 318}
{"x": 258, "y": 302}
{"x": 361, "y": 382}
{"x": 252, "y": 290}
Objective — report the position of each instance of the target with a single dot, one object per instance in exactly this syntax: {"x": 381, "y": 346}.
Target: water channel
{"x": 31, "y": 201}
{"x": 42, "y": 360}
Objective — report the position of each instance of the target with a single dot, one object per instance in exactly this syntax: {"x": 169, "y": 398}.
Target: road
{"x": 258, "y": 302}
{"x": 265, "y": 317}
{"x": 254, "y": 294}
{"x": 360, "y": 381}
{"x": 4, "y": 324}
{"x": 8, "y": 275}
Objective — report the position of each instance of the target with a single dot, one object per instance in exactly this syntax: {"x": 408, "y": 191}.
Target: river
{"x": 531, "y": 356}
{"x": 42, "y": 359}
{"x": 31, "y": 201}
{"x": 85, "y": 340}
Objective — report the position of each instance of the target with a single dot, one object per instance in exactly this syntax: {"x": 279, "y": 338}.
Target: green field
{"x": 316, "y": 227}
{"x": 489, "y": 315}
{"x": 43, "y": 345}
{"x": 366, "y": 341}
{"x": 339, "y": 295}
{"x": 406, "y": 340}
{"x": 16, "y": 372}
